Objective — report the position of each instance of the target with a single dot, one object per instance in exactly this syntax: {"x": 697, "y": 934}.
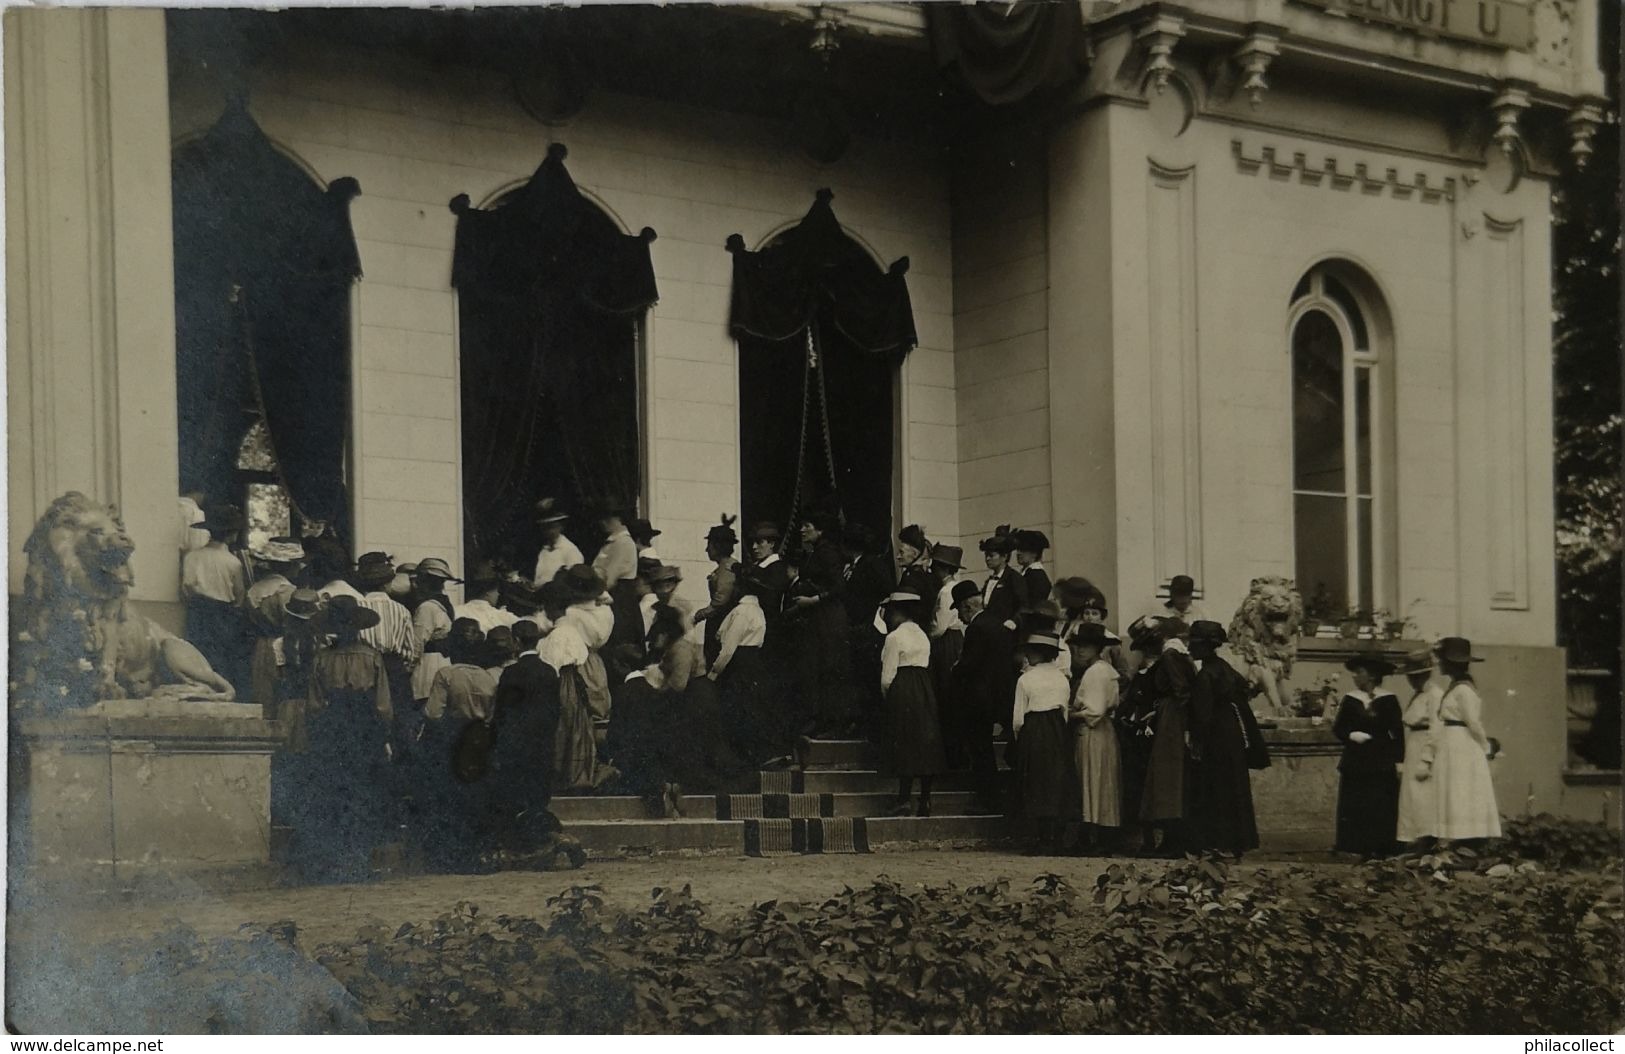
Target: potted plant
{"x": 1348, "y": 627}
{"x": 1312, "y": 702}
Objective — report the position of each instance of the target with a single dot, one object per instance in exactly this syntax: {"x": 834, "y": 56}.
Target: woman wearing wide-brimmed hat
{"x": 432, "y": 616}
{"x": 571, "y": 650}
{"x": 1163, "y": 799}
{"x": 1418, "y": 802}
{"x": 1225, "y": 745}
{"x": 1096, "y": 756}
{"x": 915, "y": 743}
{"x": 1372, "y": 731}
{"x": 914, "y": 561}
{"x": 342, "y": 801}
{"x": 1465, "y": 795}
{"x": 1042, "y": 746}
{"x": 1029, "y": 557}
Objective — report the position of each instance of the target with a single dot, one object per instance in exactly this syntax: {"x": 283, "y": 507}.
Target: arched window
{"x": 1340, "y": 421}
{"x": 264, "y": 499}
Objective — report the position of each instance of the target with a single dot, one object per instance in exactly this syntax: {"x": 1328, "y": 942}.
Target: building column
{"x": 1082, "y": 440}
{"x": 90, "y": 277}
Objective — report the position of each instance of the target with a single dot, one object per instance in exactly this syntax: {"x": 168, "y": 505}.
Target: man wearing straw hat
{"x": 266, "y": 601}
{"x": 432, "y": 616}
{"x": 557, "y": 551}
{"x": 214, "y": 584}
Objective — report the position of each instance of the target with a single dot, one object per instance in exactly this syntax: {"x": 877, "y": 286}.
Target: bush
{"x": 1385, "y": 948}
{"x": 1392, "y": 947}
{"x": 1562, "y": 843}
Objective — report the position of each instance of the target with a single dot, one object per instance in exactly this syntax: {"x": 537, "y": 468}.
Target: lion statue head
{"x": 78, "y": 551}
{"x": 1267, "y": 624}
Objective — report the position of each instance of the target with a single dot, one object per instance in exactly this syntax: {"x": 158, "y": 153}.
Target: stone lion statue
{"x": 77, "y": 642}
{"x": 1264, "y": 635}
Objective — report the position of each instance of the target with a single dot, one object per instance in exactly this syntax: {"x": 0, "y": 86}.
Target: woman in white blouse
{"x": 1461, "y": 770}
{"x": 911, "y": 702}
{"x": 1094, "y": 736}
{"x": 739, "y": 670}
{"x": 1042, "y": 747}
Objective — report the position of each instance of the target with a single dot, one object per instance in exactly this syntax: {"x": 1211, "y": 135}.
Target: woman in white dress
{"x": 1418, "y": 811}
{"x": 1461, "y": 769}
{"x": 1095, "y": 738}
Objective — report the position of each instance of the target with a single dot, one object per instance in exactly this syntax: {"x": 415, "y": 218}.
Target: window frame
{"x": 1354, "y": 358}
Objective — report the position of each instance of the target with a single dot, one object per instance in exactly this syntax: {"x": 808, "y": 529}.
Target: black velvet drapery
{"x": 814, "y": 265}
{"x": 551, "y": 295}
{"x": 1006, "y": 53}
{"x": 264, "y": 261}
{"x": 815, "y": 281}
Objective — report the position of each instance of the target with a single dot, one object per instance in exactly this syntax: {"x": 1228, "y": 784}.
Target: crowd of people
{"x": 455, "y": 724}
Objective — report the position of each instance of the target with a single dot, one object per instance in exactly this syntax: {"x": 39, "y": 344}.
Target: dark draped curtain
{"x": 821, "y": 331}
{"x": 264, "y": 262}
{"x": 551, "y": 296}
{"x": 1008, "y": 52}
{"x": 814, "y": 266}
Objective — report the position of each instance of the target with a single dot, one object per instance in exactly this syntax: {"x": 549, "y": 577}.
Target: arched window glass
{"x": 264, "y": 497}
{"x": 1337, "y": 423}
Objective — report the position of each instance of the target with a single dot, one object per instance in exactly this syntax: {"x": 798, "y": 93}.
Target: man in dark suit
{"x": 1004, "y": 594}
{"x": 983, "y": 688}
{"x": 520, "y": 783}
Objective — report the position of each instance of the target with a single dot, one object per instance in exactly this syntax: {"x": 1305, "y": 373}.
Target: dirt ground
{"x": 726, "y": 884}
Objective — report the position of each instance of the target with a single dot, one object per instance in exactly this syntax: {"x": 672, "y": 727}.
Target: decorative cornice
{"x": 1341, "y": 175}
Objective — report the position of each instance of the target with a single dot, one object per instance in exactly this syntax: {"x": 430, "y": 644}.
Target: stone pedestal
{"x": 1295, "y": 799}
{"x": 138, "y": 787}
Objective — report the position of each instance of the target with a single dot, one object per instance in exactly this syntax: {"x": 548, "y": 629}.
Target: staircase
{"x": 833, "y": 800}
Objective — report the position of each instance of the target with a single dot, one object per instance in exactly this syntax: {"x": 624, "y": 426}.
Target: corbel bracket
{"x": 1156, "y": 40}
{"x": 1509, "y": 105}
{"x": 1253, "y": 57}
{"x": 1583, "y": 123}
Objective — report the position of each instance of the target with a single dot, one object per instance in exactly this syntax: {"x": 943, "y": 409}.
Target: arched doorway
{"x": 551, "y": 298}
{"x": 822, "y": 332}
{"x": 264, "y": 264}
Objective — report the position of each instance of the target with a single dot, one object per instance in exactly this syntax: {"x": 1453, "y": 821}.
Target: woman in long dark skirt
{"x": 754, "y": 716}
{"x": 1163, "y": 801}
{"x": 1371, "y": 727}
{"x": 1043, "y": 743}
{"x": 1222, "y": 739}
{"x": 911, "y": 703}
{"x": 339, "y": 802}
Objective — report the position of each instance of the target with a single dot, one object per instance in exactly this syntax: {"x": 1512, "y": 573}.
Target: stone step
{"x": 770, "y": 837}
{"x": 858, "y": 754}
{"x": 842, "y": 781}
{"x": 582, "y": 809}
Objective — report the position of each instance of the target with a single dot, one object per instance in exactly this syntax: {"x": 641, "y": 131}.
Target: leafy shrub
{"x": 1392, "y": 947}
{"x": 1562, "y": 843}
{"x": 1385, "y": 948}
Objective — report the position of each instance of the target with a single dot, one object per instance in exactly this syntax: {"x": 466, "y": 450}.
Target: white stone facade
{"x": 1103, "y": 322}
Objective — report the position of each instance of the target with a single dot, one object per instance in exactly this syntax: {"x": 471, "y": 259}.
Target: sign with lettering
{"x": 1497, "y": 23}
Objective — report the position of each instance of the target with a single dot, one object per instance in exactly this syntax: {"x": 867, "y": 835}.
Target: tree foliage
{"x": 1587, "y": 287}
